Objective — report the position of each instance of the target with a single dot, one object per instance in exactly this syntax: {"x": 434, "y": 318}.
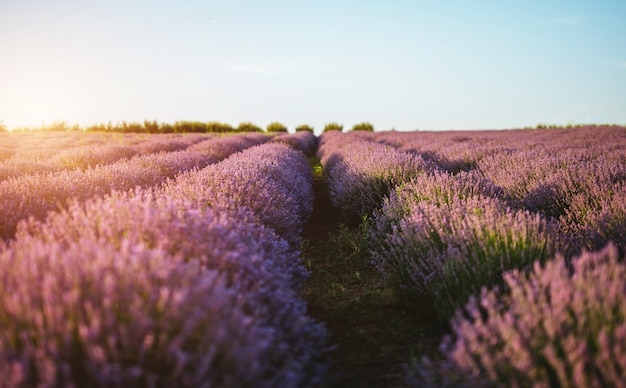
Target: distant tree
{"x": 190, "y": 126}
{"x": 248, "y": 127}
{"x": 3, "y": 128}
{"x": 59, "y": 126}
{"x": 151, "y": 126}
{"x": 166, "y": 128}
{"x": 126, "y": 127}
{"x": 364, "y": 126}
{"x": 333, "y": 127}
{"x": 217, "y": 127}
{"x": 276, "y": 127}
{"x": 304, "y": 127}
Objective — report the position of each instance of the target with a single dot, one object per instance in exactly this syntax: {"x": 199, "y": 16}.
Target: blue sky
{"x": 430, "y": 65}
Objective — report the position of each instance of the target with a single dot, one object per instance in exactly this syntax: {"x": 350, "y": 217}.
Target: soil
{"x": 374, "y": 331}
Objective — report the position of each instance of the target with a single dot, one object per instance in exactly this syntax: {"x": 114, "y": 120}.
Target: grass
{"x": 373, "y": 330}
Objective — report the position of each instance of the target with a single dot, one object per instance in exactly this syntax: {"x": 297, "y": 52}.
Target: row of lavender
{"x": 196, "y": 282}
{"x": 34, "y": 195}
{"x": 575, "y": 176}
{"x": 509, "y": 212}
{"x": 25, "y": 153}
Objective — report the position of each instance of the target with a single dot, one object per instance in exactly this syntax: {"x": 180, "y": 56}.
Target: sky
{"x": 404, "y": 65}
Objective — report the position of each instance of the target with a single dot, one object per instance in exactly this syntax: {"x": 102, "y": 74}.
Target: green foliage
{"x": 570, "y": 126}
{"x": 333, "y": 127}
{"x": 58, "y": 126}
{"x": 190, "y": 126}
{"x": 217, "y": 127}
{"x": 350, "y": 243}
{"x": 156, "y": 127}
{"x": 304, "y": 127}
{"x": 151, "y": 126}
{"x": 248, "y": 127}
{"x": 364, "y": 126}
{"x": 276, "y": 127}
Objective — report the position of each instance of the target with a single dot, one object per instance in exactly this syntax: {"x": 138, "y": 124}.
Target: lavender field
{"x": 270, "y": 260}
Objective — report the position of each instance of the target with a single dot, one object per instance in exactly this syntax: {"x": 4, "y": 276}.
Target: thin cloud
{"x": 251, "y": 68}
{"x": 566, "y": 20}
{"x": 621, "y": 64}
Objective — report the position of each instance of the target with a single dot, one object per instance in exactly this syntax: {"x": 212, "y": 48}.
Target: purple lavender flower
{"x": 561, "y": 325}
{"x": 360, "y": 171}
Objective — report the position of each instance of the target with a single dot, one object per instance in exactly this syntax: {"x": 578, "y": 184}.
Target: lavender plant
{"x": 273, "y": 180}
{"x": 133, "y": 283}
{"x": 450, "y": 250}
{"x": 303, "y": 140}
{"x": 36, "y": 195}
{"x": 361, "y": 172}
{"x": 84, "y": 151}
{"x": 564, "y": 324}
{"x": 597, "y": 218}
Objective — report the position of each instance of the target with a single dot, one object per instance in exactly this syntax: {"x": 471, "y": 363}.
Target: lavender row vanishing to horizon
{"x": 31, "y": 153}
{"x": 360, "y": 171}
{"x": 489, "y": 203}
{"x": 36, "y": 195}
{"x": 575, "y": 176}
{"x": 193, "y": 283}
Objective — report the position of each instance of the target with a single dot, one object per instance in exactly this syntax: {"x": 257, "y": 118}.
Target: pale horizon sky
{"x": 429, "y": 65}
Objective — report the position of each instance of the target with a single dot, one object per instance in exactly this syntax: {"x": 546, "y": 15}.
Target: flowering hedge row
{"x": 564, "y": 324}
{"x": 32, "y": 153}
{"x": 360, "y": 171}
{"x": 566, "y": 174}
{"x": 36, "y": 195}
{"x": 304, "y": 141}
{"x": 447, "y": 235}
{"x": 179, "y": 285}
{"x": 273, "y": 180}
{"x": 550, "y": 320}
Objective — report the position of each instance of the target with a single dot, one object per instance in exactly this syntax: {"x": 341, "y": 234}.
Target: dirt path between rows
{"x": 373, "y": 333}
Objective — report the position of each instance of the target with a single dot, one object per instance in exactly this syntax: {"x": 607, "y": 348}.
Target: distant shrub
{"x": 248, "y": 127}
{"x": 126, "y": 127}
{"x": 59, "y": 126}
{"x": 3, "y": 127}
{"x": 190, "y": 126}
{"x": 304, "y": 127}
{"x": 166, "y": 128}
{"x": 217, "y": 127}
{"x": 152, "y": 126}
{"x": 365, "y": 126}
{"x": 276, "y": 127}
{"x": 564, "y": 325}
{"x": 333, "y": 127}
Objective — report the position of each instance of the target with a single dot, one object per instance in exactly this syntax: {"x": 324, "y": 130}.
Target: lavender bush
{"x": 126, "y": 316}
{"x": 598, "y": 217}
{"x": 360, "y": 172}
{"x": 33, "y": 154}
{"x": 273, "y": 180}
{"x": 303, "y": 140}
{"x": 36, "y": 195}
{"x": 562, "y": 325}
{"x": 450, "y": 250}
{"x": 132, "y": 284}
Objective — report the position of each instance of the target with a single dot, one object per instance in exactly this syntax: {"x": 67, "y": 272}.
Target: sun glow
{"x": 42, "y": 103}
